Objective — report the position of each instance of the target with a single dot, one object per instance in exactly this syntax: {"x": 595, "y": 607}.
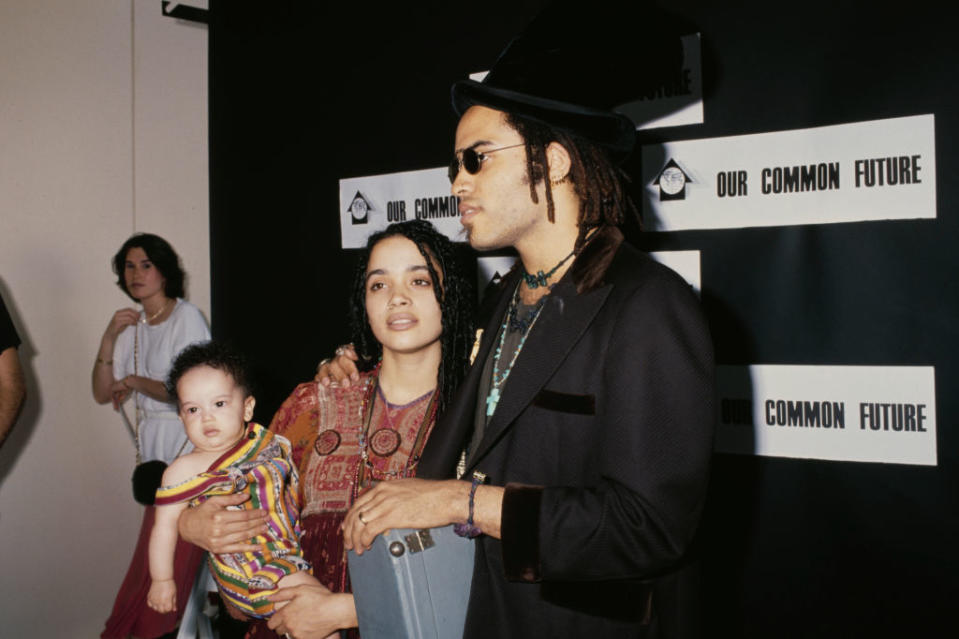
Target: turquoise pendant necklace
{"x": 541, "y": 278}
{"x": 499, "y": 377}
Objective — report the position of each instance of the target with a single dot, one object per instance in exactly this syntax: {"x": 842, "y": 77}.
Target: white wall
{"x": 103, "y": 132}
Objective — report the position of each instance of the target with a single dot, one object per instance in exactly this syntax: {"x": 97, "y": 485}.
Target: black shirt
{"x": 8, "y": 334}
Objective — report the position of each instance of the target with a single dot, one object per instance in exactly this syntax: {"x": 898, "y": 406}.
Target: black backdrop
{"x": 306, "y": 93}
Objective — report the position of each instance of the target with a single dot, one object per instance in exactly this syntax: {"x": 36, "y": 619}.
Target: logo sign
{"x": 369, "y": 204}
{"x": 842, "y": 413}
{"x": 678, "y": 103}
{"x": 863, "y": 171}
{"x": 359, "y": 209}
{"x": 672, "y": 181}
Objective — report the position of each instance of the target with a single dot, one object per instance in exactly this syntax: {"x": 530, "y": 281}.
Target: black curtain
{"x": 301, "y": 95}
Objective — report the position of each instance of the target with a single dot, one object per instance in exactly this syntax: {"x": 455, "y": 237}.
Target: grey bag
{"x": 413, "y": 584}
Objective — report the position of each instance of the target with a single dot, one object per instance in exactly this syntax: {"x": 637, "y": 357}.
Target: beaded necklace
{"x": 541, "y": 278}
{"x": 385, "y": 441}
{"x": 147, "y": 320}
{"x": 523, "y": 324}
{"x": 511, "y": 321}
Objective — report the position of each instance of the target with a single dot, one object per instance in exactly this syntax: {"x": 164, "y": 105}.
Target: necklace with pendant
{"x": 541, "y": 278}
{"x": 524, "y": 326}
{"x": 384, "y": 441}
{"x": 147, "y": 320}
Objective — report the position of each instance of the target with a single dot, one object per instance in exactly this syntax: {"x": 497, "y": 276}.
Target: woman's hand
{"x": 120, "y": 320}
{"x": 119, "y": 392}
{"x": 339, "y": 370}
{"x": 152, "y": 388}
{"x": 312, "y": 612}
{"x": 104, "y": 386}
{"x": 215, "y": 529}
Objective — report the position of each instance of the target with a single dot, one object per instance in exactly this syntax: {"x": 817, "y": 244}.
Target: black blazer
{"x": 602, "y": 436}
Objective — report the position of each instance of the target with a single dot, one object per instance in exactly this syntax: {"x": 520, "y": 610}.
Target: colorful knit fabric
{"x": 328, "y": 473}
{"x": 259, "y": 464}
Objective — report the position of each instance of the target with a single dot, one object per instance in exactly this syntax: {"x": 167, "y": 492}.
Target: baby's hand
{"x": 162, "y": 595}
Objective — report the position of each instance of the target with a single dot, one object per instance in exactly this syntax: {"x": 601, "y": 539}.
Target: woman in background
{"x": 135, "y": 355}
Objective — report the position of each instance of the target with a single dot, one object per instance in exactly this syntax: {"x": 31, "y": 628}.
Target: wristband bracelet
{"x": 468, "y": 529}
{"x": 106, "y": 362}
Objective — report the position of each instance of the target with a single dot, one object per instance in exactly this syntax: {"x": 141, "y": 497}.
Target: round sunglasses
{"x": 472, "y": 160}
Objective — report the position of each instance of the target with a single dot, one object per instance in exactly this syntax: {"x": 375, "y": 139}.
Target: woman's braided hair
{"x": 455, "y": 294}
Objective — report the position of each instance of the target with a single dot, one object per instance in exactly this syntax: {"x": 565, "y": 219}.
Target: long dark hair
{"x": 455, "y": 295}
{"x": 162, "y": 255}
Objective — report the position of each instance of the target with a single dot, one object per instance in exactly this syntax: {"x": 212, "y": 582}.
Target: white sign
{"x": 877, "y": 170}
{"x": 686, "y": 263}
{"x": 488, "y": 268}
{"x": 678, "y": 103}
{"x": 369, "y": 204}
{"x": 843, "y": 413}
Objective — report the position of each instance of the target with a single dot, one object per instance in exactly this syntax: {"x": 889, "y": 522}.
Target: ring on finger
{"x": 361, "y": 518}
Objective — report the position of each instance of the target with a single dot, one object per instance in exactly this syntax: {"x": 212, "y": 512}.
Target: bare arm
{"x": 420, "y": 503}
{"x": 102, "y": 376}
{"x": 163, "y": 537}
{"x": 153, "y": 388}
{"x": 12, "y": 390}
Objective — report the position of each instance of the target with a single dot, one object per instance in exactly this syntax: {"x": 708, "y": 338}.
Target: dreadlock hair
{"x": 455, "y": 295}
{"x": 598, "y": 182}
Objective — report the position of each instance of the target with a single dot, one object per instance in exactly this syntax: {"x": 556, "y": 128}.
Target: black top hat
{"x": 575, "y": 62}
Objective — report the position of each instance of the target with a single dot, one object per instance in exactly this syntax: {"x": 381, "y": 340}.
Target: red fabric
{"x": 131, "y": 616}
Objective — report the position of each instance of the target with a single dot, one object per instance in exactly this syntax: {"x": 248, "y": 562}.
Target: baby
{"x": 231, "y": 454}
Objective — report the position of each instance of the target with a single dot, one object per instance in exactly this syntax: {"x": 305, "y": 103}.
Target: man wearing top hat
{"x": 588, "y": 411}
{"x": 582, "y": 434}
